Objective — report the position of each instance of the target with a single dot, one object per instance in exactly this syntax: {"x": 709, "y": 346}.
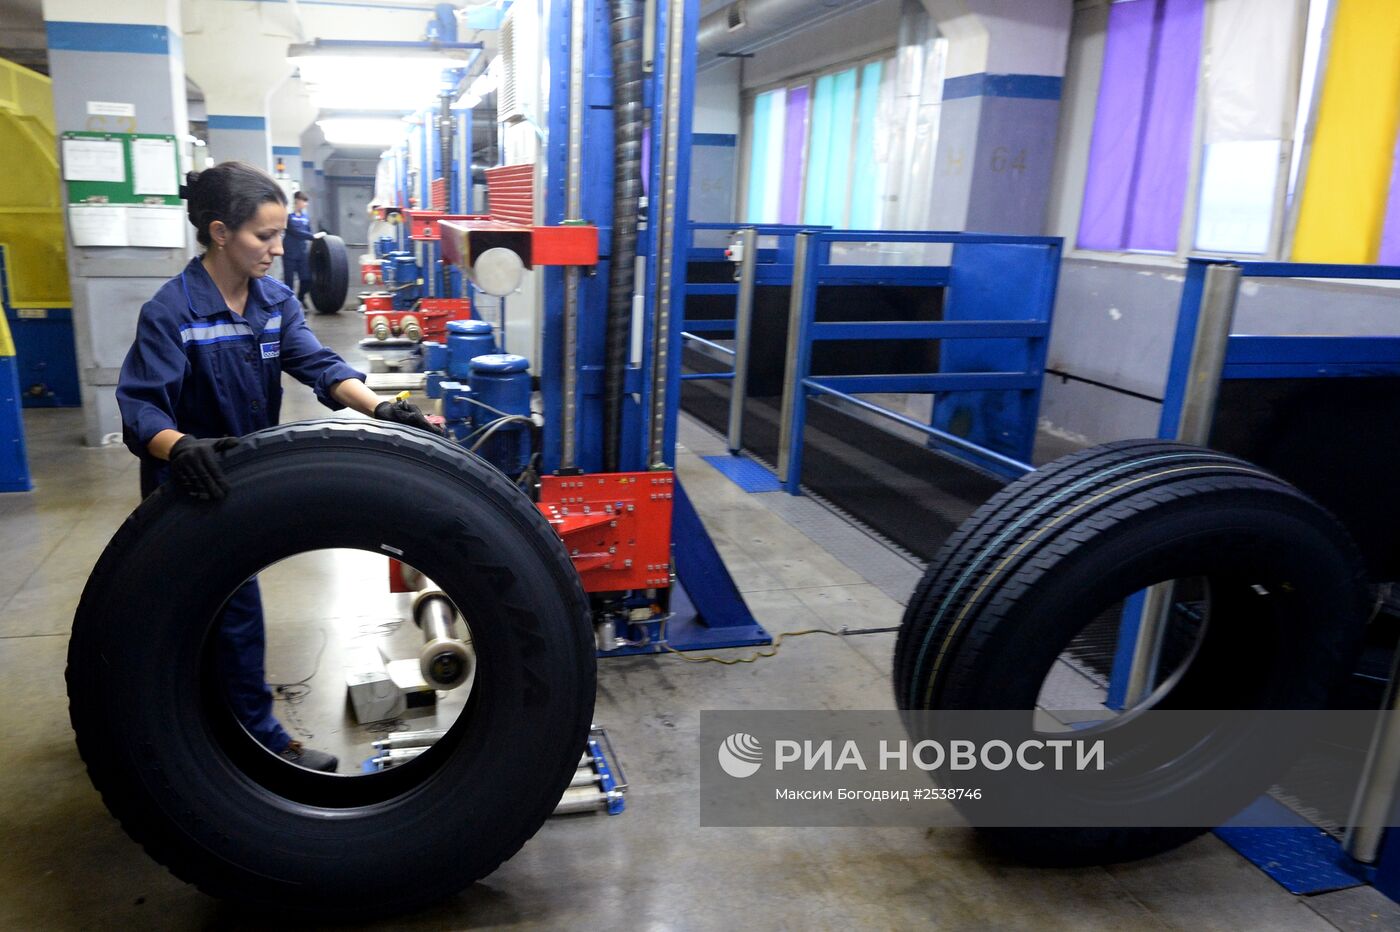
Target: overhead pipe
{"x": 627, "y": 27}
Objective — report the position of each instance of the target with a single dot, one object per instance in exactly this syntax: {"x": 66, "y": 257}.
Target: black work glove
{"x": 401, "y": 412}
{"x": 195, "y": 465}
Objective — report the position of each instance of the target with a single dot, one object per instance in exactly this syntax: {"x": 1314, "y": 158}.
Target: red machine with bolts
{"x": 616, "y": 526}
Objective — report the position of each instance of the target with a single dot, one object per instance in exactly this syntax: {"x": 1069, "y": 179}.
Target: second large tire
{"x": 1036, "y": 564}
{"x": 221, "y": 812}
{"x": 330, "y": 273}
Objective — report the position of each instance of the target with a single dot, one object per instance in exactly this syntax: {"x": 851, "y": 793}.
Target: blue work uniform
{"x": 294, "y": 252}
{"x": 201, "y": 369}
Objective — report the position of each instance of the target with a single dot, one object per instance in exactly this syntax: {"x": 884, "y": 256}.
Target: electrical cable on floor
{"x": 282, "y": 688}
{"x": 756, "y": 655}
{"x": 294, "y": 692}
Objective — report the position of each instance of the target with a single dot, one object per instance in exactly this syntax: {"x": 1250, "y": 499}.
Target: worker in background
{"x": 206, "y": 367}
{"x": 294, "y": 255}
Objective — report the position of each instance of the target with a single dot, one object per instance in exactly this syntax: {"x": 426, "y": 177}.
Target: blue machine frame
{"x": 45, "y": 355}
{"x": 706, "y": 608}
{"x": 992, "y": 369}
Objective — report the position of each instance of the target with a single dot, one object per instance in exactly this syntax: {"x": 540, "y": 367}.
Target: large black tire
{"x": 1031, "y": 568}
{"x": 221, "y": 812}
{"x": 330, "y": 273}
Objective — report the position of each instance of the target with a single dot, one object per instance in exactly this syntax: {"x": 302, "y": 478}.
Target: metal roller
{"x": 584, "y": 778}
{"x": 408, "y": 739}
{"x": 446, "y": 661}
{"x": 396, "y": 757}
{"x": 581, "y": 799}
{"x": 379, "y": 326}
{"x": 410, "y": 328}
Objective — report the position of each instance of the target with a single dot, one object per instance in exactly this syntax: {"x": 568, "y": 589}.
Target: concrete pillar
{"x": 237, "y": 57}
{"x": 290, "y": 112}
{"x": 241, "y": 136}
{"x": 137, "y": 62}
{"x": 1000, "y": 113}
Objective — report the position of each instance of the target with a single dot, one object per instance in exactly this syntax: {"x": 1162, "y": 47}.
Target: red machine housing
{"x": 616, "y": 526}
{"x": 432, "y": 314}
{"x": 371, "y": 273}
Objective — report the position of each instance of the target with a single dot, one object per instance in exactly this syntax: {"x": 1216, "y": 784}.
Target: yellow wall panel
{"x": 31, "y": 200}
{"x": 1348, "y": 172}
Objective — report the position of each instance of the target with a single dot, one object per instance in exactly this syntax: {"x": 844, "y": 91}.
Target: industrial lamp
{"x": 353, "y": 75}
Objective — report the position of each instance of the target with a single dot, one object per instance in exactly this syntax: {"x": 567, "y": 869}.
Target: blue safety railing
{"x": 994, "y": 333}
{"x": 772, "y": 265}
{"x": 1252, "y": 356}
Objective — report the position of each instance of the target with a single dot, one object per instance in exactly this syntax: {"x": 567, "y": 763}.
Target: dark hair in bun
{"x": 231, "y": 192}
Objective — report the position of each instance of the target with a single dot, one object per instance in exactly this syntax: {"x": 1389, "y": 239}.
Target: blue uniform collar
{"x": 204, "y": 297}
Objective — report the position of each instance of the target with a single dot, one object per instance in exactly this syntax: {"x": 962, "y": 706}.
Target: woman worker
{"x": 206, "y": 367}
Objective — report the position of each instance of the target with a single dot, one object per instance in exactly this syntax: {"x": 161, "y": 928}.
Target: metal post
{"x": 792, "y": 379}
{"x": 1375, "y": 794}
{"x": 573, "y": 206}
{"x": 666, "y": 235}
{"x": 1212, "y": 339}
{"x": 743, "y": 328}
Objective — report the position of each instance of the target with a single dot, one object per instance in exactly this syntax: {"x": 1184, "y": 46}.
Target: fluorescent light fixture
{"x": 374, "y": 77}
{"x": 368, "y": 132}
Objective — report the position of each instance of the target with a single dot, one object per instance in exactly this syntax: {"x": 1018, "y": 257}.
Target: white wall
{"x": 717, "y": 98}
{"x": 138, "y": 12}
{"x": 1078, "y": 100}
{"x": 289, "y": 113}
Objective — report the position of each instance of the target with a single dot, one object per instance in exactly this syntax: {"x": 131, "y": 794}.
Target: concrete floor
{"x": 64, "y": 863}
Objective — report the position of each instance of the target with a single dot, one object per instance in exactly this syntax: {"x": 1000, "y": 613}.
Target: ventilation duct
{"x": 746, "y": 25}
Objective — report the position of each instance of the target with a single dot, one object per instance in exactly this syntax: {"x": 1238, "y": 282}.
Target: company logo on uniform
{"x": 271, "y": 350}
{"x": 741, "y": 755}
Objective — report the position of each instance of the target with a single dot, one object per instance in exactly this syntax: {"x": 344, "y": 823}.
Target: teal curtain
{"x": 829, "y": 159}
{"x": 865, "y": 197}
{"x": 760, "y": 152}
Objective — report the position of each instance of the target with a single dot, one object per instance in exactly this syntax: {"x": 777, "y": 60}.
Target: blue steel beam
{"x": 929, "y": 330}
{"x": 933, "y": 382}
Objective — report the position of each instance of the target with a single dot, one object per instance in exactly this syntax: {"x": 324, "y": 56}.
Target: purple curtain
{"x": 1140, "y": 154}
{"x": 1390, "y": 235}
{"x": 794, "y": 146}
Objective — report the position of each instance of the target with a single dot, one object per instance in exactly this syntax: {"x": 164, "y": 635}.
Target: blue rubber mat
{"x": 745, "y": 473}
{"x": 1301, "y": 858}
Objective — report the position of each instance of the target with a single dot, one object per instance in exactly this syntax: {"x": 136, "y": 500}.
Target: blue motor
{"x": 467, "y": 339}
{"x": 400, "y": 272}
{"x": 500, "y": 388}
{"x": 434, "y": 356}
{"x": 384, "y": 245}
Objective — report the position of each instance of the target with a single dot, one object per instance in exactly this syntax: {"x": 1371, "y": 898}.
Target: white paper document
{"x": 94, "y": 160}
{"x": 155, "y": 226}
{"x": 110, "y": 108}
{"x": 97, "y": 225}
{"x": 153, "y": 164}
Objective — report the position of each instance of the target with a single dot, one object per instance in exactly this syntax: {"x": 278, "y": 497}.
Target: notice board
{"x": 123, "y": 189}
